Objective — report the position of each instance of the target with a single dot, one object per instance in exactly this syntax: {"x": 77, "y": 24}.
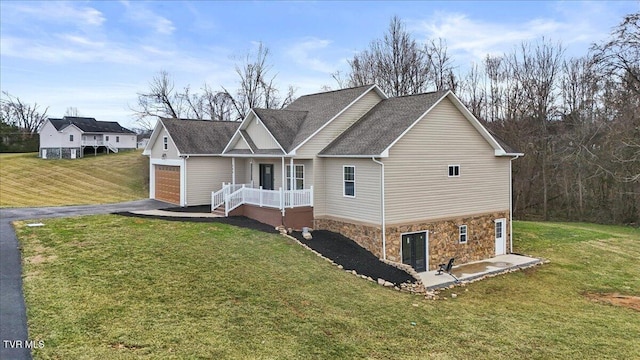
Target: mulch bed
{"x": 190, "y": 209}
{"x": 351, "y": 256}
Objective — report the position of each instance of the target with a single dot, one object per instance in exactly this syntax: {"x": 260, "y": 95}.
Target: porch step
{"x": 219, "y": 211}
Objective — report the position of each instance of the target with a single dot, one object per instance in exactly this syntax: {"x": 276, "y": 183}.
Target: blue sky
{"x": 96, "y": 55}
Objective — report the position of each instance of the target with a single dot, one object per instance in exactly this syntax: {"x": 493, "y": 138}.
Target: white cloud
{"x": 471, "y": 39}
{"x": 57, "y": 12}
{"x": 305, "y": 53}
{"x": 145, "y": 17}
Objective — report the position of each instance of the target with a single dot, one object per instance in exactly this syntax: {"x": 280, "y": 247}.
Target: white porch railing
{"x": 92, "y": 143}
{"x": 217, "y": 198}
{"x": 278, "y": 199}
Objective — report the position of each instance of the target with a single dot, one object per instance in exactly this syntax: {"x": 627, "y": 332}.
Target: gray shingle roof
{"x": 200, "y": 136}
{"x": 506, "y": 147}
{"x": 384, "y": 123}
{"x": 283, "y": 124}
{"x": 321, "y": 108}
{"x": 90, "y": 125}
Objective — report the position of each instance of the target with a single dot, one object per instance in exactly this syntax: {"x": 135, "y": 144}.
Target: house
{"x": 413, "y": 179}
{"x": 186, "y": 165}
{"x": 71, "y": 136}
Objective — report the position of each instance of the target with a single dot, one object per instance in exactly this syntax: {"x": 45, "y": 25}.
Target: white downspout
{"x": 384, "y": 235}
{"x": 511, "y": 205}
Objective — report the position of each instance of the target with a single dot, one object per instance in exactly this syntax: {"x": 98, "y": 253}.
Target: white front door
{"x": 73, "y": 153}
{"x": 44, "y": 153}
{"x": 500, "y": 236}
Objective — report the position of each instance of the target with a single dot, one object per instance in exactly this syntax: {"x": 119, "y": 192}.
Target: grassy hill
{"x": 112, "y": 287}
{"x": 27, "y": 181}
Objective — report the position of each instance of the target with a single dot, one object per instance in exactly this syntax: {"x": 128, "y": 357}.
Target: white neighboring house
{"x": 70, "y": 137}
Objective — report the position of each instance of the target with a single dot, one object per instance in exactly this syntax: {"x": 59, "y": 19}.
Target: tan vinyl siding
{"x": 260, "y": 135}
{"x": 319, "y": 191}
{"x": 338, "y": 125}
{"x": 416, "y": 172}
{"x": 241, "y": 144}
{"x": 157, "y": 149}
{"x": 365, "y": 206}
{"x": 205, "y": 175}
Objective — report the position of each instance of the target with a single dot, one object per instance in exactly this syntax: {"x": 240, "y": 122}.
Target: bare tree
{"x": 71, "y": 111}
{"x": 160, "y": 100}
{"x": 620, "y": 56}
{"x": 25, "y": 116}
{"x": 396, "y": 63}
{"x": 256, "y": 85}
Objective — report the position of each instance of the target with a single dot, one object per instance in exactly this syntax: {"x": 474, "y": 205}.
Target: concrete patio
{"x": 477, "y": 269}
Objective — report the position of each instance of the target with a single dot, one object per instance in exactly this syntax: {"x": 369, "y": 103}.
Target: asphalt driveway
{"x": 13, "y": 318}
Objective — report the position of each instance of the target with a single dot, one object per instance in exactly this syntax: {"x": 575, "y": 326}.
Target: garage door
{"x": 168, "y": 183}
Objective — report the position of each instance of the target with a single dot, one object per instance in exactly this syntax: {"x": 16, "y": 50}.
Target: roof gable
{"x": 387, "y": 122}
{"x": 323, "y": 108}
{"x": 196, "y": 137}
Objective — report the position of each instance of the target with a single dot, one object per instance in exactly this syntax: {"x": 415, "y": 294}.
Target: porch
{"x": 291, "y": 208}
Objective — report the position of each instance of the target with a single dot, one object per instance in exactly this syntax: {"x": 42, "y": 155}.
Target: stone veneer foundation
{"x": 366, "y": 235}
{"x": 443, "y": 237}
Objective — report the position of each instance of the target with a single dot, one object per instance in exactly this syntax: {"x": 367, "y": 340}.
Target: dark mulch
{"x": 352, "y": 256}
{"x": 190, "y": 209}
{"x": 239, "y": 221}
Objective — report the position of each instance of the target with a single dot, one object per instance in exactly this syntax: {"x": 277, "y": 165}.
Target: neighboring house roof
{"x": 383, "y": 124}
{"x": 199, "y": 136}
{"x": 89, "y": 125}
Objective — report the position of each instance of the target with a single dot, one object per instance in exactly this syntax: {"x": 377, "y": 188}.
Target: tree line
{"x": 576, "y": 118}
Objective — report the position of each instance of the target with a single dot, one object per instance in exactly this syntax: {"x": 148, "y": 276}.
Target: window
{"x": 298, "y": 176}
{"x": 462, "y": 234}
{"x": 498, "y": 229}
{"x": 349, "y": 179}
{"x": 106, "y": 138}
{"x": 165, "y": 143}
{"x": 70, "y": 137}
{"x": 117, "y": 138}
{"x": 454, "y": 170}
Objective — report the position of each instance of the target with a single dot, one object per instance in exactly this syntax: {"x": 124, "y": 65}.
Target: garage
{"x": 167, "y": 181}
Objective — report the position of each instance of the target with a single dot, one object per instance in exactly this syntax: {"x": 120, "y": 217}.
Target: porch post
{"x": 291, "y": 182}
{"x": 233, "y": 170}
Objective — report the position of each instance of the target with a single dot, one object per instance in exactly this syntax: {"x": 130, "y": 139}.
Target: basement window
{"x": 462, "y": 234}
{"x": 454, "y": 170}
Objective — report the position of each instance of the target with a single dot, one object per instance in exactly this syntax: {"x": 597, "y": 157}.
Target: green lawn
{"x": 110, "y": 287}
{"x": 29, "y": 181}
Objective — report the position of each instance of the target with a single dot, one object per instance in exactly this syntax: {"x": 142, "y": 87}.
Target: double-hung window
{"x": 165, "y": 143}
{"x": 117, "y": 138}
{"x": 349, "y": 180}
{"x": 298, "y": 177}
{"x": 70, "y": 137}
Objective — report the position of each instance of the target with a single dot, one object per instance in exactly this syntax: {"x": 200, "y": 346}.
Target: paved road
{"x": 13, "y": 318}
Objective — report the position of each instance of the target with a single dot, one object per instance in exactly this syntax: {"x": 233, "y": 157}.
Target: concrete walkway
{"x": 175, "y": 214}
{"x": 13, "y": 318}
{"x": 475, "y": 270}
